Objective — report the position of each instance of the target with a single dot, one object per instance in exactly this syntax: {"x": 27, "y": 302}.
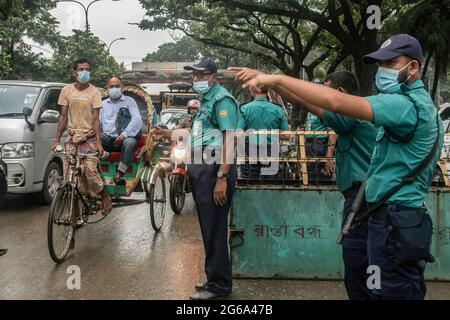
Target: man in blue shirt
{"x": 121, "y": 126}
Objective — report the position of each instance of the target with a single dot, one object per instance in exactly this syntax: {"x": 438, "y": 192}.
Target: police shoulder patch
{"x": 223, "y": 114}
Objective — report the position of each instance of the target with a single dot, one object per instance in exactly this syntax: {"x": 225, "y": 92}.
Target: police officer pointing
{"x": 404, "y": 160}
{"x": 212, "y": 183}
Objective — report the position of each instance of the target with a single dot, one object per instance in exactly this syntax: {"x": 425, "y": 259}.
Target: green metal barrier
{"x": 291, "y": 233}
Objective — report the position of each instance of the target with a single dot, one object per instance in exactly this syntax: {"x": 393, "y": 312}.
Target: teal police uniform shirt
{"x": 262, "y": 114}
{"x": 391, "y": 162}
{"x": 313, "y": 123}
{"x": 217, "y": 113}
{"x": 354, "y": 147}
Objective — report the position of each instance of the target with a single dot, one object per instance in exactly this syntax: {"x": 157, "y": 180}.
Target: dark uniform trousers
{"x": 354, "y": 253}
{"x": 213, "y": 224}
{"x": 400, "y": 248}
{"x": 316, "y": 147}
{"x": 253, "y": 171}
{"x": 378, "y": 243}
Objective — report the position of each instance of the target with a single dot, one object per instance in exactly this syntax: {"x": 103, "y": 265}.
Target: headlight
{"x": 18, "y": 151}
{"x": 178, "y": 155}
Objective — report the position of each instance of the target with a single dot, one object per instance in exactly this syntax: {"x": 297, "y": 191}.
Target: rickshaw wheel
{"x": 157, "y": 199}
{"x": 177, "y": 193}
{"x": 61, "y": 223}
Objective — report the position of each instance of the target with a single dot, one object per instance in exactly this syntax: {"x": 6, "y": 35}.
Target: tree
{"x": 187, "y": 49}
{"x": 183, "y": 50}
{"x": 262, "y": 36}
{"x": 284, "y": 33}
{"x": 429, "y": 21}
{"x": 86, "y": 45}
{"x": 26, "y": 19}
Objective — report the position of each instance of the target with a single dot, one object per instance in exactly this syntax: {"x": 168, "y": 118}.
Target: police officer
{"x": 400, "y": 231}
{"x": 213, "y": 182}
{"x": 354, "y": 148}
{"x": 260, "y": 114}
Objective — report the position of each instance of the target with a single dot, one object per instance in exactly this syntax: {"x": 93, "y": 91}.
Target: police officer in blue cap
{"x": 404, "y": 160}
{"x": 212, "y": 176}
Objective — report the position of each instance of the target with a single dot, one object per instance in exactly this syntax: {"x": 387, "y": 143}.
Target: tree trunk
{"x": 365, "y": 74}
{"x": 425, "y": 68}
{"x": 437, "y": 74}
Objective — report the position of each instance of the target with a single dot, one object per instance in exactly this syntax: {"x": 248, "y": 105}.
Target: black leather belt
{"x": 381, "y": 213}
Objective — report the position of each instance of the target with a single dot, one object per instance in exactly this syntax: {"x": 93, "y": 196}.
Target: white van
{"x": 29, "y": 118}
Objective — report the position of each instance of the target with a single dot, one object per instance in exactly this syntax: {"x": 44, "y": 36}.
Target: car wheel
{"x": 51, "y": 183}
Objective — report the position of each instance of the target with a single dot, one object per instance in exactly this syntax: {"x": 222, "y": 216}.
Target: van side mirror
{"x": 27, "y": 112}
{"x": 49, "y": 116}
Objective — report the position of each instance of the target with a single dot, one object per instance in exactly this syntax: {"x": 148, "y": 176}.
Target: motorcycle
{"x": 179, "y": 179}
{"x": 3, "y": 182}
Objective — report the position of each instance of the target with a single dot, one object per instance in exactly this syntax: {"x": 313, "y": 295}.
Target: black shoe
{"x": 206, "y": 295}
{"x": 201, "y": 286}
{"x": 3, "y": 252}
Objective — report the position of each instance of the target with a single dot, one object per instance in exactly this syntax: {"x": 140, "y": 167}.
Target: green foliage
{"x": 186, "y": 49}
{"x": 4, "y": 65}
{"x": 21, "y": 20}
{"x": 84, "y": 45}
{"x": 289, "y": 35}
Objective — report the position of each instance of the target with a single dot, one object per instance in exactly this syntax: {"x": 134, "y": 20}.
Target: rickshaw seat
{"x": 115, "y": 156}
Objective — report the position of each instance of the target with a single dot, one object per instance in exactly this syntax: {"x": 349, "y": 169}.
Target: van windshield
{"x": 14, "y": 98}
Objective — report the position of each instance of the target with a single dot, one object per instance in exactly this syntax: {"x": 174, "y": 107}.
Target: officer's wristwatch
{"x": 221, "y": 174}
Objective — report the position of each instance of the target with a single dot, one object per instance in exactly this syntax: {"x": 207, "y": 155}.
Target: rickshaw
{"x": 145, "y": 184}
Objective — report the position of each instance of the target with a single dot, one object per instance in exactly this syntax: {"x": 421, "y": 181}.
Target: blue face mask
{"x": 201, "y": 87}
{"x": 84, "y": 76}
{"x": 115, "y": 93}
{"x": 386, "y": 80}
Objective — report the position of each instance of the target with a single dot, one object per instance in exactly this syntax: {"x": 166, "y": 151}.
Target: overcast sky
{"x": 109, "y": 20}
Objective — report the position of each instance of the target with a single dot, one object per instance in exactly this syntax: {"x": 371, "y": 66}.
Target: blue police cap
{"x": 394, "y": 47}
{"x": 204, "y": 64}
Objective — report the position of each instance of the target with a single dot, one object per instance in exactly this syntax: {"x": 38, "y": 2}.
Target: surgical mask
{"x": 84, "y": 76}
{"x": 387, "y": 79}
{"x": 115, "y": 93}
{"x": 201, "y": 87}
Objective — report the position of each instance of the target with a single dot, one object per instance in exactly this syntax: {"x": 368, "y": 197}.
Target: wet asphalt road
{"x": 123, "y": 258}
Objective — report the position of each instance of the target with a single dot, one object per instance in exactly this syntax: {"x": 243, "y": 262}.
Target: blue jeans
{"x": 127, "y": 150}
